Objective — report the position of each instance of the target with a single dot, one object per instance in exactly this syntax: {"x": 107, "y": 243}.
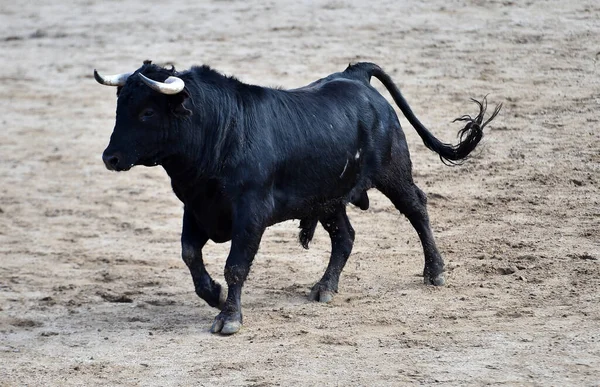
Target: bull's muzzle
{"x": 114, "y": 161}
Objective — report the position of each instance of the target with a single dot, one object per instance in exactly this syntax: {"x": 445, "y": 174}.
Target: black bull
{"x": 243, "y": 157}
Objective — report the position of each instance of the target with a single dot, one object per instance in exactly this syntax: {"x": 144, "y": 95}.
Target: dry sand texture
{"x": 92, "y": 287}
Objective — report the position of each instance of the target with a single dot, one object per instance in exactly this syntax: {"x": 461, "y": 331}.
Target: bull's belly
{"x": 319, "y": 189}
{"x": 313, "y": 204}
{"x": 295, "y": 197}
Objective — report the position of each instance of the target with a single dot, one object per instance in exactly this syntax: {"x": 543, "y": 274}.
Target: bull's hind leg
{"x": 341, "y": 233}
{"x": 397, "y": 184}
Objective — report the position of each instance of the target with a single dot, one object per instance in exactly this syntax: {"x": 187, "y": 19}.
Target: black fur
{"x": 244, "y": 157}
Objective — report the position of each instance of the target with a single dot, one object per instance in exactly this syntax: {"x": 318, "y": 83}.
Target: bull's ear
{"x": 178, "y": 104}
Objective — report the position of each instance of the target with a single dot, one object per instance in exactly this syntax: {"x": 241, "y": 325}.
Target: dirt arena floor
{"x": 92, "y": 287}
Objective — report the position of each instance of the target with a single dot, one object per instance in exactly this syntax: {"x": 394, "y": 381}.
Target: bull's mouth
{"x": 124, "y": 169}
{"x": 119, "y": 168}
{"x": 149, "y": 163}
{"x": 115, "y": 162}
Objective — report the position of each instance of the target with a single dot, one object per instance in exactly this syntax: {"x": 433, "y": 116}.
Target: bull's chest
{"x": 210, "y": 207}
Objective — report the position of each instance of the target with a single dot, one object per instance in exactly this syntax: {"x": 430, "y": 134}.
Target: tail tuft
{"x": 470, "y": 135}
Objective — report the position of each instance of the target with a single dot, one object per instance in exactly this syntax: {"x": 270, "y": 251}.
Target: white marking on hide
{"x": 345, "y": 166}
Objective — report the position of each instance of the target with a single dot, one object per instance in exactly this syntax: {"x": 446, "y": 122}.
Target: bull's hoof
{"x": 321, "y": 293}
{"x": 438, "y": 280}
{"x": 226, "y": 324}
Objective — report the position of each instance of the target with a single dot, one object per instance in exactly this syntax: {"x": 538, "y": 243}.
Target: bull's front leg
{"x": 249, "y": 223}
{"x": 193, "y": 240}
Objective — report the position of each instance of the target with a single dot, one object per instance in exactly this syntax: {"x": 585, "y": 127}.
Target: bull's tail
{"x": 469, "y": 136}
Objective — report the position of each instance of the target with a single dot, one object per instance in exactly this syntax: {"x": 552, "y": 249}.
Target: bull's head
{"x": 150, "y": 100}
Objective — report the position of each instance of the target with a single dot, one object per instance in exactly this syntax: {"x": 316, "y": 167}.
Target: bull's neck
{"x": 204, "y": 143}
{"x": 182, "y": 170}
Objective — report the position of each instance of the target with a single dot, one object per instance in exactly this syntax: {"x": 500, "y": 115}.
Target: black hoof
{"x": 321, "y": 293}
{"x": 226, "y": 324}
{"x": 438, "y": 280}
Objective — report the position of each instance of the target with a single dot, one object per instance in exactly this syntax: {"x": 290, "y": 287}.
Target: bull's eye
{"x": 146, "y": 114}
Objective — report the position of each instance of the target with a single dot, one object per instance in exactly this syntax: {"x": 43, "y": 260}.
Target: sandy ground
{"x": 92, "y": 287}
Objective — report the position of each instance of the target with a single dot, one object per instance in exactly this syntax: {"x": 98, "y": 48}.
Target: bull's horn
{"x": 112, "y": 80}
{"x": 171, "y": 85}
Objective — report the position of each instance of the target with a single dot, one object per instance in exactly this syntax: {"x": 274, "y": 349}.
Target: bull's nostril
{"x": 111, "y": 162}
